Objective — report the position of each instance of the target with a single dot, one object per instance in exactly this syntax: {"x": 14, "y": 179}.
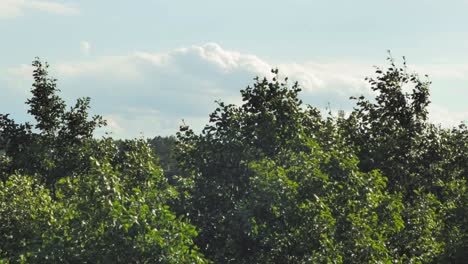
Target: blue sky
{"x": 149, "y": 64}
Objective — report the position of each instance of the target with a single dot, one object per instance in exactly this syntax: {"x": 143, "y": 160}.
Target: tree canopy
{"x": 272, "y": 180}
{"x": 67, "y": 197}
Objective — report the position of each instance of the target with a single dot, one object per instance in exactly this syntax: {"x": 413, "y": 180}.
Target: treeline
{"x": 270, "y": 181}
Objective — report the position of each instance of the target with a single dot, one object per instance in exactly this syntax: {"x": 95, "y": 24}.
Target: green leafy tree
{"x": 428, "y": 164}
{"x": 26, "y": 210}
{"x": 271, "y": 181}
{"x": 66, "y": 197}
{"x": 114, "y": 213}
{"x": 164, "y": 147}
{"x": 217, "y": 161}
{"x": 48, "y": 149}
{"x": 389, "y": 131}
{"x": 319, "y": 208}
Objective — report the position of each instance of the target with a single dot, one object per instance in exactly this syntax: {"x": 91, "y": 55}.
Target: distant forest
{"x": 272, "y": 180}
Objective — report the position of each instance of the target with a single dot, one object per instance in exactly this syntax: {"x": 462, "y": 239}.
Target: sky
{"x": 148, "y": 64}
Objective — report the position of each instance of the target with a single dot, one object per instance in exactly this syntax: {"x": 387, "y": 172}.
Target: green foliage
{"x": 426, "y": 163}
{"x": 85, "y": 200}
{"x": 164, "y": 148}
{"x": 307, "y": 213}
{"x": 114, "y": 213}
{"x": 50, "y": 148}
{"x": 390, "y": 132}
{"x": 273, "y": 181}
{"x": 269, "y": 181}
{"x": 26, "y": 210}
{"x": 217, "y": 161}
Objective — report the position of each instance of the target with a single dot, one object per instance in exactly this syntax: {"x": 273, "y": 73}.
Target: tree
{"x": 217, "y": 161}
{"x": 67, "y": 197}
{"x": 113, "y": 213}
{"x": 319, "y": 208}
{"x": 48, "y": 149}
{"x": 269, "y": 181}
{"x": 424, "y": 162}
{"x": 274, "y": 181}
{"x": 164, "y": 147}
{"x": 389, "y": 132}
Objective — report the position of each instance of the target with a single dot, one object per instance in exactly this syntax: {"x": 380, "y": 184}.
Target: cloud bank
{"x": 149, "y": 94}
{"x": 15, "y": 8}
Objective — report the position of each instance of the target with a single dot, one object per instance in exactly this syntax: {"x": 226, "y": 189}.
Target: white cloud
{"x": 447, "y": 118}
{"x": 15, "y": 8}
{"x": 85, "y": 47}
{"x": 210, "y": 64}
{"x": 17, "y": 80}
{"x": 150, "y": 93}
{"x": 444, "y": 71}
{"x": 342, "y": 78}
{"x": 10, "y": 8}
